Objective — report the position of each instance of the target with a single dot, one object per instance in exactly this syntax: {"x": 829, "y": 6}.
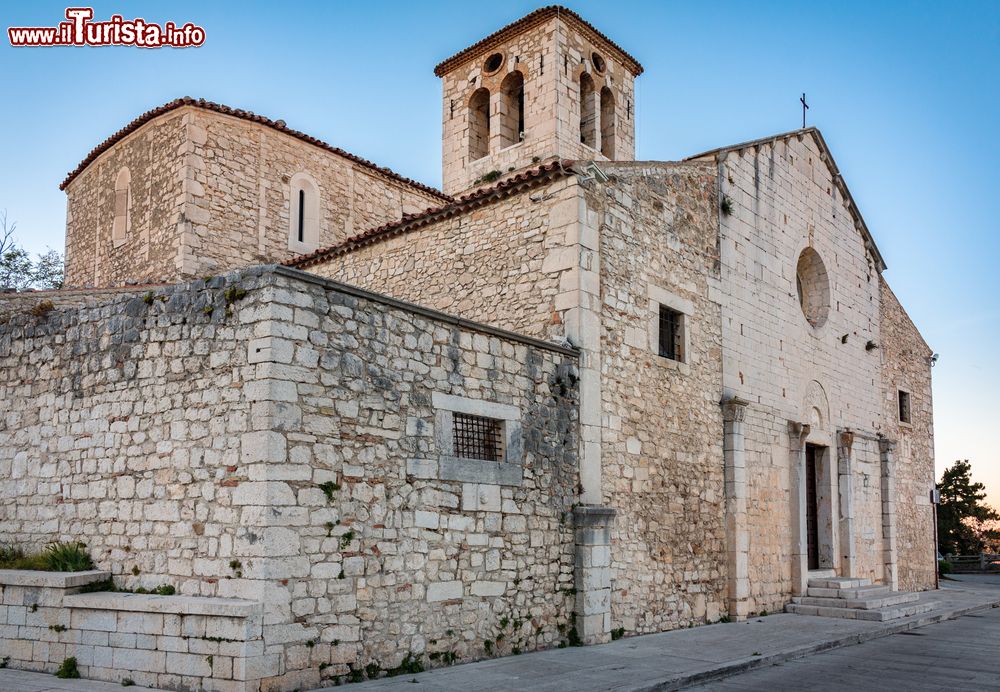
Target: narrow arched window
{"x": 122, "y": 223}
{"x": 608, "y": 123}
{"x": 479, "y": 124}
{"x": 588, "y": 115}
{"x": 304, "y": 214}
{"x": 510, "y": 125}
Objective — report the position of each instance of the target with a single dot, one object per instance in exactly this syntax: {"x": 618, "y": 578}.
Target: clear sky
{"x": 906, "y": 95}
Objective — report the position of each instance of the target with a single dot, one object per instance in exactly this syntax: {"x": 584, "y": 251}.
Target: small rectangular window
{"x": 904, "y": 407}
{"x": 671, "y": 343}
{"x": 477, "y": 437}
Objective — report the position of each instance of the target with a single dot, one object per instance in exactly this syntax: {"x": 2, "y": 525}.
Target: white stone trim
{"x": 660, "y": 296}
{"x": 475, "y": 407}
{"x": 52, "y": 580}
{"x": 311, "y": 220}
{"x": 449, "y": 467}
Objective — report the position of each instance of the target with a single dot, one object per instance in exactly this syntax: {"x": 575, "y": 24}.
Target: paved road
{"x": 960, "y": 654}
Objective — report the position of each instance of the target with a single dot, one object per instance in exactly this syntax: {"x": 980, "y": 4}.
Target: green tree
{"x": 964, "y": 520}
{"x": 18, "y": 271}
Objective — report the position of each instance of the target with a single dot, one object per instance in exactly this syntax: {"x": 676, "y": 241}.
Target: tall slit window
{"x": 479, "y": 124}
{"x": 304, "y": 213}
{"x": 904, "y": 406}
{"x": 477, "y": 437}
{"x": 608, "y": 123}
{"x": 122, "y": 223}
{"x": 302, "y": 216}
{"x": 671, "y": 335}
{"x": 510, "y": 120}
{"x": 588, "y": 116}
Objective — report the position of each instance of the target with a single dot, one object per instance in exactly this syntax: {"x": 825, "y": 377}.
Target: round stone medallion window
{"x": 493, "y": 63}
{"x": 598, "y": 62}
{"x": 813, "y": 286}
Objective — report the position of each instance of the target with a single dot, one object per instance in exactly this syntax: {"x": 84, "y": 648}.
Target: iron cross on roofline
{"x": 805, "y": 107}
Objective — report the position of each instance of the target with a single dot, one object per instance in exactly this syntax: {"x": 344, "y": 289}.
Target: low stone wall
{"x": 174, "y": 642}
{"x": 277, "y": 437}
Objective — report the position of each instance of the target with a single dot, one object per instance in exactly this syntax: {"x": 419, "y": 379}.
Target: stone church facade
{"x": 570, "y": 395}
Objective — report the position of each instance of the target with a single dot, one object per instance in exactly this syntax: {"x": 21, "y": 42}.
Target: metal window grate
{"x": 478, "y": 438}
{"x": 670, "y": 332}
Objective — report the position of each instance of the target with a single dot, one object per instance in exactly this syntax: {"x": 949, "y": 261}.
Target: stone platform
{"x": 855, "y": 599}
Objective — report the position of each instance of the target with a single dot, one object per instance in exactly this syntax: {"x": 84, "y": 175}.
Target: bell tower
{"x": 548, "y": 86}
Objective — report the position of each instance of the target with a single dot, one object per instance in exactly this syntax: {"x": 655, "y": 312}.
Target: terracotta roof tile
{"x": 523, "y": 180}
{"x": 278, "y": 125}
{"x": 526, "y": 22}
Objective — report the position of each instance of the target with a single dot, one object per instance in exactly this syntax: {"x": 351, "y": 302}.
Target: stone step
{"x": 881, "y": 615}
{"x": 822, "y": 573}
{"x": 858, "y": 603}
{"x": 859, "y": 592}
{"x": 838, "y": 583}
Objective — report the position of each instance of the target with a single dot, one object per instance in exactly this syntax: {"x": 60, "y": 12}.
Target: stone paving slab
{"x": 666, "y": 661}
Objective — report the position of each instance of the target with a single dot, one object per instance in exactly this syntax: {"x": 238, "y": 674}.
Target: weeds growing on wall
{"x": 56, "y": 557}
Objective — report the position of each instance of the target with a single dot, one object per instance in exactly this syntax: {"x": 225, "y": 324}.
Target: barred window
{"x": 671, "y": 341}
{"x": 477, "y": 437}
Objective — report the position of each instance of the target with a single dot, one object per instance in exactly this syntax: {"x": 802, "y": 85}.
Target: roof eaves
{"x": 278, "y": 125}
{"x": 515, "y": 184}
{"x": 859, "y": 220}
{"x": 531, "y": 19}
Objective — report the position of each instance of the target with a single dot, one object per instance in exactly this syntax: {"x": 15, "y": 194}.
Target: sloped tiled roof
{"x": 519, "y": 182}
{"x": 278, "y": 125}
{"x": 528, "y": 21}
{"x": 827, "y": 157}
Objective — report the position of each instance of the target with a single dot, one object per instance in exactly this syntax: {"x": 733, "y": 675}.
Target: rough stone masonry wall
{"x": 662, "y": 437}
{"x": 210, "y": 193}
{"x": 190, "y": 440}
{"x": 784, "y": 200}
{"x": 906, "y": 365}
{"x": 498, "y": 264}
{"x": 152, "y": 155}
{"x": 240, "y": 204}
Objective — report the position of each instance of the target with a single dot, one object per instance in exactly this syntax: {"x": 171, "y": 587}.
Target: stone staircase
{"x": 855, "y": 599}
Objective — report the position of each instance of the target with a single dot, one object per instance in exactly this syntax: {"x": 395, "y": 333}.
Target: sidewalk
{"x": 673, "y": 660}
{"x": 666, "y": 661}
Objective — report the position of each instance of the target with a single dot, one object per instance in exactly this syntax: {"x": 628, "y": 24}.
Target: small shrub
{"x": 574, "y": 638}
{"x": 726, "y": 205}
{"x": 135, "y": 570}
{"x": 68, "y": 557}
{"x": 372, "y": 670}
{"x": 409, "y": 665}
{"x": 724, "y": 619}
{"x": 944, "y": 567}
{"x": 68, "y": 669}
{"x": 165, "y": 590}
{"x": 127, "y": 682}
{"x": 106, "y": 585}
{"x": 5, "y": 662}
{"x": 234, "y": 293}
{"x": 617, "y": 633}
{"x": 491, "y": 176}
{"x": 346, "y": 539}
{"x": 148, "y": 298}
{"x": 208, "y": 309}
{"x": 42, "y": 308}
{"x": 57, "y": 628}
{"x": 329, "y": 488}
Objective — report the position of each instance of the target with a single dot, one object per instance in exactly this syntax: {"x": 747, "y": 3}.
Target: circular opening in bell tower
{"x": 493, "y": 63}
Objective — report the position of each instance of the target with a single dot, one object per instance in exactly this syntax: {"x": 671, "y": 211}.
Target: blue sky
{"x": 906, "y": 95}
